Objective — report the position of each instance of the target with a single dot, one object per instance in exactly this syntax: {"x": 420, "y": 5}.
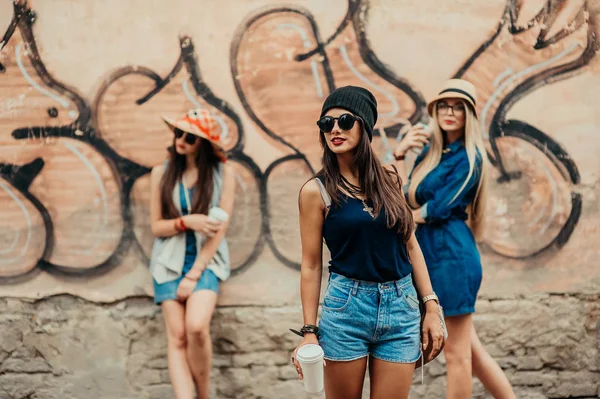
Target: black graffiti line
{"x": 499, "y": 127}
{"x": 12, "y": 26}
{"x": 236, "y": 153}
{"x": 79, "y": 130}
{"x": 358, "y": 14}
{"x": 559, "y": 158}
{"x": 369, "y": 57}
{"x": 353, "y": 7}
{"x": 510, "y": 14}
{"x": 548, "y": 20}
{"x": 193, "y": 67}
{"x": 114, "y": 259}
{"x": 242, "y": 29}
{"x": 373, "y": 62}
{"x": 20, "y": 177}
{"x": 160, "y": 82}
{"x": 187, "y": 58}
{"x": 545, "y": 144}
{"x": 467, "y": 64}
{"x": 25, "y": 27}
{"x": 266, "y": 210}
{"x": 546, "y": 17}
{"x": 532, "y": 83}
{"x": 249, "y": 163}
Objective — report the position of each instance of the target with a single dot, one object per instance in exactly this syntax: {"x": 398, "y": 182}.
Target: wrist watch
{"x": 307, "y": 328}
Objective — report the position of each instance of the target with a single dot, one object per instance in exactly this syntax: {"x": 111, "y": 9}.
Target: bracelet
{"x": 199, "y": 273}
{"x": 430, "y": 297}
{"x": 177, "y": 227}
{"x": 306, "y": 329}
{"x": 399, "y": 157}
{"x": 190, "y": 278}
{"x": 183, "y": 226}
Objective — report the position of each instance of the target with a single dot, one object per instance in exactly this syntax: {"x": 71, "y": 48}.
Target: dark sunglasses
{"x": 189, "y": 138}
{"x": 345, "y": 122}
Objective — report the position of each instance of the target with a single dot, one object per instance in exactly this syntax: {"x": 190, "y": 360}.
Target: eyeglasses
{"x": 189, "y": 138}
{"x": 345, "y": 122}
{"x": 457, "y": 109}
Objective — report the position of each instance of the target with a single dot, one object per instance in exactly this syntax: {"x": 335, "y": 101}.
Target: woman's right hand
{"x": 308, "y": 339}
{"x": 202, "y": 224}
{"x": 417, "y": 137}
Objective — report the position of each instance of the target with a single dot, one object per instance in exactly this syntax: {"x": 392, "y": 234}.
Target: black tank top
{"x": 361, "y": 247}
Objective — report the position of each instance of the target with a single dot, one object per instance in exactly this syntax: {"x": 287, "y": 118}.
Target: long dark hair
{"x": 206, "y": 162}
{"x": 377, "y": 183}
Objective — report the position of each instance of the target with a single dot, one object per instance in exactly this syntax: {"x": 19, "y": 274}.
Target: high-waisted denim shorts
{"x": 362, "y": 318}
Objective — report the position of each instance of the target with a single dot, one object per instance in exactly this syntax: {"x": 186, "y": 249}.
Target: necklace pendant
{"x": 368, "y": 209}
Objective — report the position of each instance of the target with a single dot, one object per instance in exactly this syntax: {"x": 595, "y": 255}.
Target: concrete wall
{"x": 82, "y": 85}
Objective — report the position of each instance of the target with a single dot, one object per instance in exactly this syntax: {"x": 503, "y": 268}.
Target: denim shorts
{"x": 362, "y": 318}
{"x": 168, "y": 290}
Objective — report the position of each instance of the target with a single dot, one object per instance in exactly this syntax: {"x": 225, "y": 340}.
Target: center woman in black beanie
{"x": 370, "y": 314}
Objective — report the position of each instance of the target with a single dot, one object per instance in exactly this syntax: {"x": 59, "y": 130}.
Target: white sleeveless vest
{"x": 168, "y": 253}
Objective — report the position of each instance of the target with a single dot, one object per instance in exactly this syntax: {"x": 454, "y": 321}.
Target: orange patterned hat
{"x": 201, "y": 123}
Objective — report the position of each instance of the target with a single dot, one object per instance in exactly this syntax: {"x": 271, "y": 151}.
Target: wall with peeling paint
{"x": 82, "y": 85}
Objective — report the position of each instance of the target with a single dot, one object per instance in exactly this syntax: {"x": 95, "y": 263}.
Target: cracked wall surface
{"x": 68, "y": 348}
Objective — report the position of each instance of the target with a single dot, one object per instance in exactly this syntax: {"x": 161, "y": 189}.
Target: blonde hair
{"x": 475, "y": 148}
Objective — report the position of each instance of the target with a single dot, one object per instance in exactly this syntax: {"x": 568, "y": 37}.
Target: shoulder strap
{"x": 324, "y": 195}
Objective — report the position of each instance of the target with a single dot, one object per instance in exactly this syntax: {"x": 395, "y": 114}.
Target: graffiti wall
{"x": 83, "y": 85}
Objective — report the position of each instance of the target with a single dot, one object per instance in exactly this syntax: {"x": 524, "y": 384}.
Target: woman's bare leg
{"x": 488, "y": 371}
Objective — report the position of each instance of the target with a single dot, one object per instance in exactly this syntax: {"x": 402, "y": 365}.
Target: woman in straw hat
{"x": 370, "y": 315}
{"x": 191, "y": 196}
{"x": 447, "y": 190}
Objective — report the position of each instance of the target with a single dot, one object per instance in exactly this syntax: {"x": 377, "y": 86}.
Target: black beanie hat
{"x": 357, "y": 100}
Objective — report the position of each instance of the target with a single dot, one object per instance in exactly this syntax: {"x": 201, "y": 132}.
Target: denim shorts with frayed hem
{"x": 362, "y": 318}
{"x": 166, "y": 291}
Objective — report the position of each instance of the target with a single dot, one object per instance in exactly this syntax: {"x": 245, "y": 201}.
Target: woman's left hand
{"x": 432, "y": 333}
{"x": 185, "y": 289}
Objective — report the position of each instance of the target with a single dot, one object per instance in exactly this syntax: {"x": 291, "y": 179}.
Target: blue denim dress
{"x": 447, "y": 242}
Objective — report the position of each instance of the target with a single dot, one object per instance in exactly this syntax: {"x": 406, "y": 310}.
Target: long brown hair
{"x": 377, "y": 183}
{"x": 206, "y": 162}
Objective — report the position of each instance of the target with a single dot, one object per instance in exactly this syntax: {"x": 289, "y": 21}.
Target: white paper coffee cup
{"x": 219, "y": 214}
{"x": 310, "y": 358}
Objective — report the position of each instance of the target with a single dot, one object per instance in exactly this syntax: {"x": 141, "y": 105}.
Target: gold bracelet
{"x": 430, "y": 297}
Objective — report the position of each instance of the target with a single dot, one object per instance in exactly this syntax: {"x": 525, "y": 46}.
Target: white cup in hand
{"x": 310, "y": 357}
{"x": 218, "y": 214}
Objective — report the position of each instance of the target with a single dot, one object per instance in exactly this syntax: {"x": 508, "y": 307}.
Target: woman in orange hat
{"x": 191, "y": 197}
{"x": 447, "y": 190}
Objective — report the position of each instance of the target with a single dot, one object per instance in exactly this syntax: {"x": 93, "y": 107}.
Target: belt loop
{"x": 355, "y": 288}
{"x": 398, "y": 288}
